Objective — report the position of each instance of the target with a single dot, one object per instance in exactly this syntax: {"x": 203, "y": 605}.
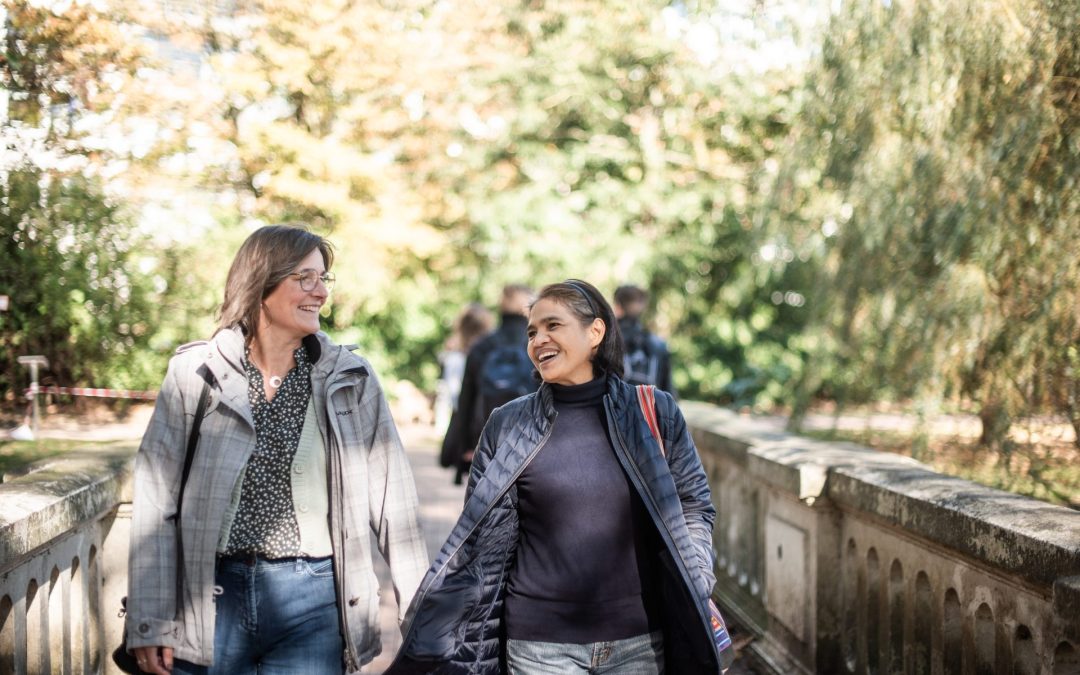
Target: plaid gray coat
{"x": 370, "y": 483}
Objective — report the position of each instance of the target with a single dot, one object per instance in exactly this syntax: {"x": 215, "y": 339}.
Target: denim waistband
{"x": 250, "y": 559}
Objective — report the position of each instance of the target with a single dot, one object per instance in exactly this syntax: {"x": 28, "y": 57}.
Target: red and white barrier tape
{"x": 90, "y": 391}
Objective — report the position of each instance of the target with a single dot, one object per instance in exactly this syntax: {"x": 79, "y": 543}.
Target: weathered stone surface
{"x": 888, "y": 529}
{"x": 1033, "y": 540}
{"x": 1036, "y": 541}
{"x": 792, "y": 463}
{"x": 46, "y": 503}
{"x": 1067, "y": 605}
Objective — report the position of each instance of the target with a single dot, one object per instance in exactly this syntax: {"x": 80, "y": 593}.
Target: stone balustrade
{"x": 842, "y": 560}
{"x": 850, "y": 561}
{"x": 63, "y": 563}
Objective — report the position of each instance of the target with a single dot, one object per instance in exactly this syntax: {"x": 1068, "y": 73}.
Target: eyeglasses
{"x": 309, "y": 277}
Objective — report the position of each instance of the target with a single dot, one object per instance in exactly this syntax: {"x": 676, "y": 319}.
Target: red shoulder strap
{"x": 646, "y": 395}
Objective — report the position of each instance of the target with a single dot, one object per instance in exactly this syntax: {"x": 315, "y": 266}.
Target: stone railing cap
{"x": 1027, "y": 537}
{"x": 46, "y": 503}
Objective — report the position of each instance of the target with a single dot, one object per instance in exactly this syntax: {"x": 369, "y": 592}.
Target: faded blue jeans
{"x": 639, "y": 655}
{"x": 274, "y": 617}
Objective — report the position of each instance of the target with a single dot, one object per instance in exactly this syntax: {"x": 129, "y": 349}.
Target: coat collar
{"x": 617, "y": 394}
{"x": 225, "y": 358}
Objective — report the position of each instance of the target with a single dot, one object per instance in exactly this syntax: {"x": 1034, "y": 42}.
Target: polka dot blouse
{"x": 265, "y": 521}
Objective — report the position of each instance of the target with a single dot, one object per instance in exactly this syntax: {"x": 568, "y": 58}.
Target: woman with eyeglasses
{"x": 585, "y": 545}
{"x": 264, "y": 564}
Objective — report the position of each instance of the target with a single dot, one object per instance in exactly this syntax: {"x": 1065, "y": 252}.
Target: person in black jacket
{"x": 497, "y": 370}
{"x": 585, "y": 544}
{"x": 646, "y": 359}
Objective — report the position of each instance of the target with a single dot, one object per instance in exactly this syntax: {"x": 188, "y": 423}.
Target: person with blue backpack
{"x": 585, "y": 543}
{"x": 497, "y": 370}
{"x": 646, "y": 359}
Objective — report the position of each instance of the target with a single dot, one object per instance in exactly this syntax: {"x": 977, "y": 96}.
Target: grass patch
{"x": 1048, "y": 471}
{"x": 15, "y": 456}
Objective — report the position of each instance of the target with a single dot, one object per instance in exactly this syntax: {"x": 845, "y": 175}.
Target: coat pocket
{"x": 359, "y": 593}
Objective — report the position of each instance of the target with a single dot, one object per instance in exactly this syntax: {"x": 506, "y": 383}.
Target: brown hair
{"x": 516, "y": 299}
{"x": 631, "y": 300}
{"x": 266, "y": 257}
{"x": 474, "y": 322}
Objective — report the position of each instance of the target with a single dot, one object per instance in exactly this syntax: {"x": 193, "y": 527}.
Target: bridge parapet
{"x": 63, "y": 556}
{"x": 848, "y": 560}
{"x": 844, "y": 559}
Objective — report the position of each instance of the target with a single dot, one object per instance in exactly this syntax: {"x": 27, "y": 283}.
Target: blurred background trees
{"x": 840, "y": 201}
{"x": 70, "y": 256}
{"x": 933, "y": 181}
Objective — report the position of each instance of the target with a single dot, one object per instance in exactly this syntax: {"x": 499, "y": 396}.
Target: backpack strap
{"x": 647, "y": 400}
{"x": 646, "y": 395}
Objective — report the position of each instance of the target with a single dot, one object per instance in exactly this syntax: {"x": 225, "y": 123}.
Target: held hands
{"x": 155, "y": 660}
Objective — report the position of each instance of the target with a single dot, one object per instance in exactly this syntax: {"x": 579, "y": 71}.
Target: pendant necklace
{"x": 274, "y": 380}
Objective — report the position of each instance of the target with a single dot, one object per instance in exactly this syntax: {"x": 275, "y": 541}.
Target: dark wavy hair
{"x": 264, "y": 260}
{"x": 587, "y": 303}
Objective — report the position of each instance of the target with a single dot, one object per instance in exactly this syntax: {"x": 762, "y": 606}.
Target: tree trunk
{"x": 1072, "y": 407}
{"x": 996, "y": 421}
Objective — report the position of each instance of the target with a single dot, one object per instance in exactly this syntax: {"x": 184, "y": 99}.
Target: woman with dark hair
{"x": 585, "y": 546}
{"x": 254, "y": 558}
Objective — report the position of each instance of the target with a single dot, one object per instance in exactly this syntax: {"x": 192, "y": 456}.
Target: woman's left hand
{"x": 155, "y": 660}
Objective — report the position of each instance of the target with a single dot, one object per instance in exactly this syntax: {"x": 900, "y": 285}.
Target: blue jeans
{"x": 274, "y": 617}
{"x": 639, "y": 655}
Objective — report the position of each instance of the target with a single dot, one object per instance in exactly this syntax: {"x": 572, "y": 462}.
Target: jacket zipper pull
{"x": 350, "y": 662}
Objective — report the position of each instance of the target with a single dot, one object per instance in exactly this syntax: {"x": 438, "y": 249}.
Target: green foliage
{"x": 77, "y": 293}
{"x": 80, "y": 279}
{"x": 937, "y": 157}
{"x": 584, "y": 139}
{"x": 17, "y": 456}
{"x": 896, "y": 223}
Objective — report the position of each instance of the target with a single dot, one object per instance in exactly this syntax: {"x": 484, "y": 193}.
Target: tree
{"x": 940, "y": 142}
{"x": 77, "y": 293}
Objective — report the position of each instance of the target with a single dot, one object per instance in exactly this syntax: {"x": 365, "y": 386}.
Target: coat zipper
{"x": 528, "y": 460}
{"x": 659, "y": 516}
{"x": 334, "y": 477}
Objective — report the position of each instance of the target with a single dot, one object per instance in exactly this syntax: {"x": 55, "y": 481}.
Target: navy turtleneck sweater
{"x": 584, "y": 559}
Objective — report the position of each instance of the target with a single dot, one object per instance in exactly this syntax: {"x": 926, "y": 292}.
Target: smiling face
{"x": 289, "y": 310}
{"x": 561, "y": 347}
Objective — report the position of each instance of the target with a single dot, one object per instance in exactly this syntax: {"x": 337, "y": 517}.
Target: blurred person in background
{"x": 497, "y": 370}
{"x": 646, "y": 359}
{"x": 269, "y": 569}
{"x": 472, "y": 324}
{"x": 585, "y": 545}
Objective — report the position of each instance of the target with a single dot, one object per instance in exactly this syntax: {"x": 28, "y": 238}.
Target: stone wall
{"x": 63, "y": 557}
{"x": 848, "y": 560}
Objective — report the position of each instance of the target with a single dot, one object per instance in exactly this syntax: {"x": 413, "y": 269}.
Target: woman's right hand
{"x": 156, "y": 660}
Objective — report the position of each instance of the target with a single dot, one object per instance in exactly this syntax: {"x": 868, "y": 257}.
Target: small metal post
{"x": 33, "y": 362}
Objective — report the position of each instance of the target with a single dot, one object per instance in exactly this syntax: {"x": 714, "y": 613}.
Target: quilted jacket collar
{"x": 544, "y": 401}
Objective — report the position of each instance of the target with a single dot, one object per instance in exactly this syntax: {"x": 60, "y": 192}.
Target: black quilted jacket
{"x": 454, "y": 624}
